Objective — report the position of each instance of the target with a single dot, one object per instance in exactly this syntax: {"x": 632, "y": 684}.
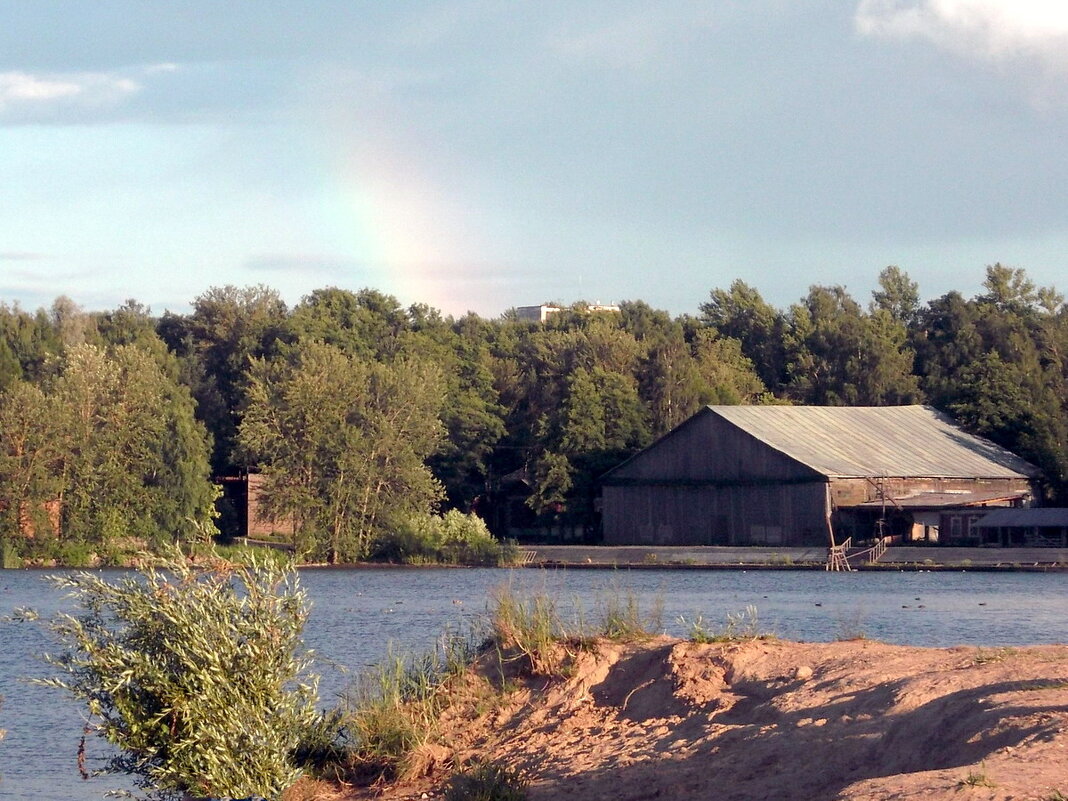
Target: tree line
{"x": 359, "y": 413}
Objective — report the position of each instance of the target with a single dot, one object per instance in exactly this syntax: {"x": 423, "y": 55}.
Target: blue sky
{"x": 481, "y": 155}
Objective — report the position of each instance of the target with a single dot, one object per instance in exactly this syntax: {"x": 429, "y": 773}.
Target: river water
{"x": 357, "y": 613}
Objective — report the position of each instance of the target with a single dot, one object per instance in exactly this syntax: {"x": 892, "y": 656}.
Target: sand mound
{"x": 767, "y": 719}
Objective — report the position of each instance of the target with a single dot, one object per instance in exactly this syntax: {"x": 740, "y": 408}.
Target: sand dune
{"x": 768, "y": 719}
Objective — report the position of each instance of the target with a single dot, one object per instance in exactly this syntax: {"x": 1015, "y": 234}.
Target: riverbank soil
{"x": 766, "y": 719}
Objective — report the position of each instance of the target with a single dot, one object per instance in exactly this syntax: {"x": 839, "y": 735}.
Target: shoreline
{"x": 895, "y": 559}
{"x": 865, "y": 568}
{"x": 712, "y": 558}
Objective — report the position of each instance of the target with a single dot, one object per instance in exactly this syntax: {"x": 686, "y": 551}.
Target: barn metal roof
{"x": 1051, "y": 516}
{"x": 856, "y": 441}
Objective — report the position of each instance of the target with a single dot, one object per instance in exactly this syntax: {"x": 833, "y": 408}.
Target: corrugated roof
{"x": 1051, "y": 516}
{"x": 850, "y": 441}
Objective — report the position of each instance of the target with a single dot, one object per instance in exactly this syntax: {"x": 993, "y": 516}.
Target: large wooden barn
{"x": 790, "y": 475}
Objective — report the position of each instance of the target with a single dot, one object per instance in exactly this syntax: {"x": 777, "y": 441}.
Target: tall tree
{"x": 838, "y": 355}
{"x": 898, "y": 295}
{"x": 30, "y": 339}
{"x": 342, "y": 444}
{"x": 134, "y": 460}
{"x": 472, "y": 413}
{"x": 997, "y": 363}
{"x": 365, "y": 324}
{"x": 228, "y": 328}
{"x": 727, "y": 375}
{"x": 30, "y": 459}
{"x": 110, "y": 444}
{"x": 741, "y": 313}
{"x": 1008, "y": 288}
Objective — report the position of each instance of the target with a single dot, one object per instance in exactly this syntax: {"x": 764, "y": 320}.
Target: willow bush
{"x": 451, "y": 538}
{"x": 196, "y": 672}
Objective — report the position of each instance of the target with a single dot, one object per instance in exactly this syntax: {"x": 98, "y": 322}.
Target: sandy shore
{"x": 768, "y": 719}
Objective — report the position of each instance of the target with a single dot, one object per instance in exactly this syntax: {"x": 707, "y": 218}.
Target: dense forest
{"x": 115, "y": 426}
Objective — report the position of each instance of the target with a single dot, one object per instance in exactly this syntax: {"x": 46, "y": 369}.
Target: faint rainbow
{"x": 399, "y": 228}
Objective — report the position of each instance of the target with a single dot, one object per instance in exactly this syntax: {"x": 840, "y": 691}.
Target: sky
{"x": 477, "y": 155}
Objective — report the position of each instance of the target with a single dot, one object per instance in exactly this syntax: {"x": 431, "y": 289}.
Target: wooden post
{"x": 836, "y": 555}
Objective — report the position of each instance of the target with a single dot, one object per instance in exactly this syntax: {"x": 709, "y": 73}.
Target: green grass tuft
{"x": 391, "y": 710}
{"x": 743, "y": 625}
{"x": 620, "y": 616}
{"x": 529, "y": 625}
{"x": 487, "y": 781}
{"x": 977, "y": 778}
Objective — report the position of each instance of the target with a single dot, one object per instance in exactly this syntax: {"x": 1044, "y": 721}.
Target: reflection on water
{"x": 357, "y": 613}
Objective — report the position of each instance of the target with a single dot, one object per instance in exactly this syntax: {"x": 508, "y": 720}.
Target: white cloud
{"x": 991, "y": 29}
{"x": 19, "y": 87}
{"x": 26, "y": 94}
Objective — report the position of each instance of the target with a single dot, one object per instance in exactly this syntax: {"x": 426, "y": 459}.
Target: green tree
{"x": 881, "y": 371}
{"x": 10, "y": 369}
{"x": 228, "y": 328}
{"x": 741, "y": 313}
{"x": 365, "y": 324}
{"x": 472, "y": 414}
{"x": 30, "y": 339}
{"x": 898, "y": 295}
{"x": 838, "y": 355}
{"x": 727, "y": 375}
{"x": 1009, "y": 288}
{"x": 108, "y": 448}
{"x": 30, "y": 460}
{"x": 552, "y": 483}
{"x": 947, "y": 340}
{"x": 1005, "y": 403}
{"x": 997, "y": 362}
{"x": 342, "y": 444}
{"x": 72, "y": 325}
{"x": 134, "y": 461}
{"x": 602, "y": 421}
{"x": 129, "y": 324}
{"x": 670, "y": 382}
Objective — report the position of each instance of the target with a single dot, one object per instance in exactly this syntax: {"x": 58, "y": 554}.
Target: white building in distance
{"x": 540, "y": 314}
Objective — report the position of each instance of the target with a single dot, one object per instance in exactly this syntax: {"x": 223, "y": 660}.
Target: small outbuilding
{"x": 1024, "y": 528}
{"x": 800, "y": 475}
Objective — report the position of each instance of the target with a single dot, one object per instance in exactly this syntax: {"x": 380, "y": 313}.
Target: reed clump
{"x": 528, "y": 626}
{"x": 738, "y": 626}
{"x": 487, "y": 781}
{"x": 391, "y": 711}
{"x": 620, "y": 616}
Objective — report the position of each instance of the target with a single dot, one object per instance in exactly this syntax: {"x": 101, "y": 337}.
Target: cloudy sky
{"x": 482, "y": 154}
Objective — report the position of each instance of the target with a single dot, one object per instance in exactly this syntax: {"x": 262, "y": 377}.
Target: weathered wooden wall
{"x": 758, "y": 514}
